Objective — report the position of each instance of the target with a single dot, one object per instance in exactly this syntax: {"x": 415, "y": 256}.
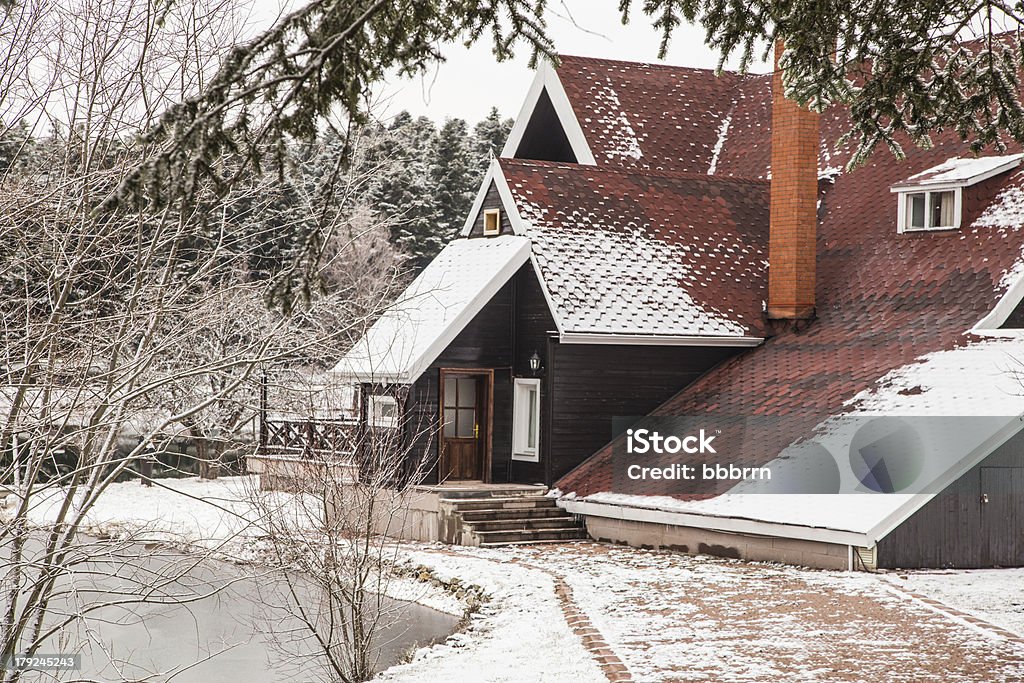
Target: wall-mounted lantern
{"x": 535, "y": 366}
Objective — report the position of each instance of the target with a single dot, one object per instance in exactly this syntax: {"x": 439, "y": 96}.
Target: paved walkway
{"x": 669, "y": 617}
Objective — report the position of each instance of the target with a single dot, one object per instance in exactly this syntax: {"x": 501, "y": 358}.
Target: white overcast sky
{"x": 471, "y": 81}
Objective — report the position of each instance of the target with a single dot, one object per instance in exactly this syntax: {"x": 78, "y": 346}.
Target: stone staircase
{"x": 502, "y": 519}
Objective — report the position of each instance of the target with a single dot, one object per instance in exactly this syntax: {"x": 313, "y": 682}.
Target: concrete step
{"x": 512, "y": 513}
{"x": 515, "y": 543}
{"x": 510, "y": 491}
{"x": 525, "y": 524}
{"x": 510, "y": 503}
{"x": 493, "y": 537}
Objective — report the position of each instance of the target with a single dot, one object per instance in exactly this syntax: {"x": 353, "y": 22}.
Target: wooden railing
{"x": 312, "y": 439}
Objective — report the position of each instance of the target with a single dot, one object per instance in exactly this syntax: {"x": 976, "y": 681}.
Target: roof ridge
{"x": 655, "y": 65}
{"x": 682, "y": 175}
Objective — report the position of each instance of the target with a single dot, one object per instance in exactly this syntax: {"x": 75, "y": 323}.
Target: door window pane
{"x": 465, "y": 424}
{"x": 449, "y": 391}
{"x": 467, "y": 392}
{"x": 449, "y": 422}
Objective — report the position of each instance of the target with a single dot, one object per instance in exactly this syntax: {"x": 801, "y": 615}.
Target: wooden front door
{"x": 465, "y": 425}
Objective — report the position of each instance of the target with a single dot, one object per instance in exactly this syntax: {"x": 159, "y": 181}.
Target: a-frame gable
{"x": 492, "y": 200}
{"x": 493, "y": 194}
{"x": 547, "y": 128}
{"x": 544, "y": 138}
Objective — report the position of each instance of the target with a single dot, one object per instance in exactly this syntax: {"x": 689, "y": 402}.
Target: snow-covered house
{"x": 663, "y": 241}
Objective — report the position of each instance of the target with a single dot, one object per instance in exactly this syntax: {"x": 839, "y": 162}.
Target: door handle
{"x": 476, "y": 431}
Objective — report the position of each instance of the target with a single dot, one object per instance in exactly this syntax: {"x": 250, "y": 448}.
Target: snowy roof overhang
{"x": 963, "y": 403}
{"x": 958, "y": 172}
{"x": 431, "y": 312}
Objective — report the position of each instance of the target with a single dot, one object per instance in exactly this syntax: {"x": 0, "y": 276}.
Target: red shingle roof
{"x": 883, "y": 299}
{"x": 653, "y": 117}
{"x": 649, "y": 117}
{"x": 646, "y": 253}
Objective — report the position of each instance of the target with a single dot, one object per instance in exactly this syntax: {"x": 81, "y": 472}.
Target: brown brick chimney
{"x": 793, "y": 214}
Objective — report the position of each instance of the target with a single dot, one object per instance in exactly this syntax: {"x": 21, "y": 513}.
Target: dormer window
{"x": 931, "y": 210}
{"x": 492, "y": 221}
{"x": 933, "y": 199}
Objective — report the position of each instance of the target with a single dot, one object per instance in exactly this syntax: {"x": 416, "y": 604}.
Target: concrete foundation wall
{"x": 409, "y": 515}
{"x": 703, "y": 541}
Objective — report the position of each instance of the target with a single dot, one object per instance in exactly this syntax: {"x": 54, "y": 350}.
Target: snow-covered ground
{"x": 995, "y": 595}
{"x": 666, "y": 616}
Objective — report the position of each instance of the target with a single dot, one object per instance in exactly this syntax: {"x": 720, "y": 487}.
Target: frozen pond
{"x": 233, "y": 627}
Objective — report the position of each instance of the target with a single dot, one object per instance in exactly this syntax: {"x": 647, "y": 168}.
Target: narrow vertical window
{"x": 526, "y": 420}
{"x": 941, "y": 210}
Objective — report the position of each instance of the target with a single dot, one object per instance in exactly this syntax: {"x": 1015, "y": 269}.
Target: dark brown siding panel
{"x": 484, "y": 343}
{"x": 533, "y": 325}
{"x": 544, "y": 137}
{"x": 592, "y": 385}
{"x": 491, "y": 201}
{"x": 958, "y": 529}
{"x": 421, "y": 423}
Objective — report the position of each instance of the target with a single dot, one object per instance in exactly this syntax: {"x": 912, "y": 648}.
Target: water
{"x": 232, "y": 628}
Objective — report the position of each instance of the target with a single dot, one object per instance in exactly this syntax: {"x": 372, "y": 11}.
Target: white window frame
{"x": 521, "y": 421}
{"x": 497, "y": 221}
{"x": 901, "y": 207}
{"x": 374, "y": 412}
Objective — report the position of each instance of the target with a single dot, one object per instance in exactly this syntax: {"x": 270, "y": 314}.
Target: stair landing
{"x": 501, "y": 516}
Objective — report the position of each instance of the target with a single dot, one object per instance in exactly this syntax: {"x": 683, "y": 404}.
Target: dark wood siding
{"x": 591, "y": 385}
{"x": 957, "y": 529}
{"x": 486, "y": 342}
{"x": 491, "y": 201}
{"x": 583, "y": 387}
{"x": 1015, "y": 320}
{"x": 533, "y": 326}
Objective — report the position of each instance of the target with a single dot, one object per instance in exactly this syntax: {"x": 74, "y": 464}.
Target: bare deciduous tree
{"x": 121, "y": 322}
{"x": 335, "y": 547}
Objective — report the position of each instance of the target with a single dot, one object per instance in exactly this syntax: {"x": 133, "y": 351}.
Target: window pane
{"x": 449, "y": 422}
{"x": 467, "y": 392}
{"x": 915, "y": 210}
{"x": 466, "y": 422}
{"x": 449, "y": 391}
{"x": 941, "y": 209}
{"x": 531, "y": 434}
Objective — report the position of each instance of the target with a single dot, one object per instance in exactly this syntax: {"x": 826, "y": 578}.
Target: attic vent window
{"x": 492, "y": 221}
{"x": 933, "y": 199}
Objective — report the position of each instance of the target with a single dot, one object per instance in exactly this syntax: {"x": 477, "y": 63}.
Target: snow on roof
{"x": 935, "y": 394}
{"x": 645, "y": 254}
{"x": 438, "y": 304}
{"x": 960, "y": 171}
{"x": 651, "y": 116}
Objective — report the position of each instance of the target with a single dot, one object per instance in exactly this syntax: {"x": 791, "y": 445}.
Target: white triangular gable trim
{"x": 494, "y": 174}
{"x": 547, "y": 79}
{"x": 518, "y": 223}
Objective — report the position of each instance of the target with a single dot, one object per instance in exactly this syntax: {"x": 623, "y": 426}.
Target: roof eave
{"x": 735, "y": 525}
{"x": 658, "y": 339}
